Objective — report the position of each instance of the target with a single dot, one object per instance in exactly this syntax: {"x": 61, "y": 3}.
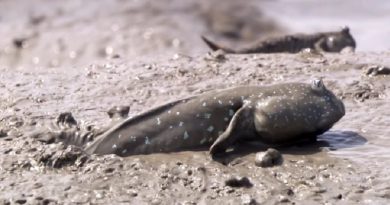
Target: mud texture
{"x": 36, "y": 171}
{"x": 160, "y": 60}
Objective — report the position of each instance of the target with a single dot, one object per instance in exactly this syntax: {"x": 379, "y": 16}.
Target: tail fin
{"x": 215, "y": 46}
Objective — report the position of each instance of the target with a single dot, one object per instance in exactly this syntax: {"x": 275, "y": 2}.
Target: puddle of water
{"x": 367, "y": 139}
{"x": 342, "y": 139}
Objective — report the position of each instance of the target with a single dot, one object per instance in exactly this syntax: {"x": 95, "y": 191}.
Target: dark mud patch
{"x": 57, "y": 156}
{"x": 376, "y": 70}
{"x": 237, "y": 182}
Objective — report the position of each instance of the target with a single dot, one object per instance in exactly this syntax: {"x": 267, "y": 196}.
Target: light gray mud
{"x": 52, "y": 34}
{"x": 308, "y": 174}
{"x": 347, "y": 166}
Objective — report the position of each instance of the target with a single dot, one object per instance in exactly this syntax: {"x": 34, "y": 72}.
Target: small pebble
{"x": 248, "y": 200}
{"x": 283, "y": 199}
{"x": 269, "y": 158}
{"x": 339, "y": 196}
{"x": 133, "y": 193}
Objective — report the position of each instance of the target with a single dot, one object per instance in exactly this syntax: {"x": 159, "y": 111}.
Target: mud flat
{"x": 348, "y": 164}
{"x": 73, "y": 56}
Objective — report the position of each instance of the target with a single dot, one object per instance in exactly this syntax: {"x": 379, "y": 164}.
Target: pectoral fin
{"x": 320, "y": 46}
{"x": 242, "y": 121}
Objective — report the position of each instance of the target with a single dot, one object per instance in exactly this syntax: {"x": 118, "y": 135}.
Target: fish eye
{"x": 345, "y": 30}
{"x": 331, "y": 41}
{"x": 317, "y": 84}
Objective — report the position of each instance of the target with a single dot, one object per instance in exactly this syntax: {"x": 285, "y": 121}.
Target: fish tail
{"x": 215, "y": 46}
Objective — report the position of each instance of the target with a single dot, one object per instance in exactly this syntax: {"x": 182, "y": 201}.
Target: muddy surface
{"x": 139, "y": 54}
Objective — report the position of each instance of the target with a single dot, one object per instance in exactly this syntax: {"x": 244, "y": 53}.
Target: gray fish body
{"x": 322, "y": 41}
{"x": 272, "y": 114}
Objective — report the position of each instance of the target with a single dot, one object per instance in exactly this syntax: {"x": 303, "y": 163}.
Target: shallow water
{"x": 373, "y": 124}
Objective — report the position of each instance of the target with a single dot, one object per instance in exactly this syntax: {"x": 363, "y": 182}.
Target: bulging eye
{"x": 317, "y": 84}
{"x": 331, "y": 39}
{"x": 331, "y": 42}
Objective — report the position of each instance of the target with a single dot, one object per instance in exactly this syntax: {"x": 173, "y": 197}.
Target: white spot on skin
{"x": 181, "y": 124}
{"x": 170, "y": 127}
{"x": 147, "y": 141}
{"x": 220, "y": 102}
{"x": 207, "y": 115}
{"x": 210, "y": 129}
{"x": 177, "y": 113}
{"x": 124, "y": 151}
{"x": 133, "y": 138}
{"x": 158, "y": 121}
{"x": 169, "y": 111}
{"x": 231, "y": 112}
{"x": 226, "y": 119}
{"x": 119, "y": 136}
{"x": 114, "y": 146}
{"x": 261, "y": 104}
{"x": 204, "y": 104}
{"x": 186, "y": 135}
{"x": 203, "y": 141}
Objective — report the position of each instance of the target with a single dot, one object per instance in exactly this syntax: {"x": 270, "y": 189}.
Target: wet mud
{"x": 347, "y": 164}
{"x": 333, "y": 169}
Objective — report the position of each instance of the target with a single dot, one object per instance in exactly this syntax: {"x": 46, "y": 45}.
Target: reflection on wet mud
{"x": 341, "y": 139}
{"x": 331, "y": 140}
